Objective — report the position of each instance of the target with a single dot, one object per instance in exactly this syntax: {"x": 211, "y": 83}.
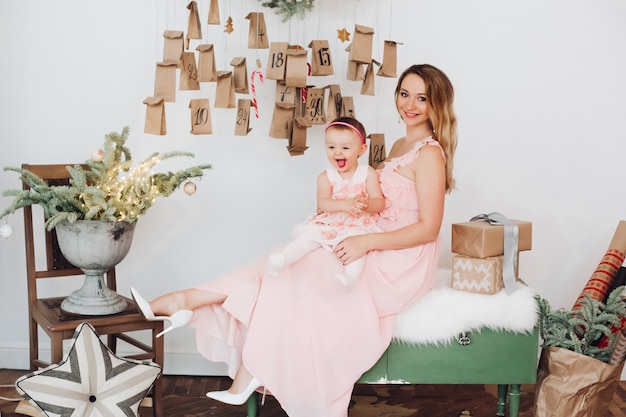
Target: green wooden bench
{"x": 503, "y": 349}
{"x": 500, "y": 358}
{"x": 493, "y": 357}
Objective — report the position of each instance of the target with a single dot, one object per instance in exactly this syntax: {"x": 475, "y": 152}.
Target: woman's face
{"x": 411, "y": 101}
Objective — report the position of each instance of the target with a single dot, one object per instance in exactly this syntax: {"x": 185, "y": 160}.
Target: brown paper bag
{"x": 286, "y": 94}
{"x": 296, "y": 68}
{"x": 214, "y": 13}
{"x": 355, "y": 71}
{"x": 189, "y": 72}
{"x": 200, "y": 116}
{"x": 155, "y": 116}
{"x": 240, "y": 75}
{"x": 282, "y": 120}
{"x": 242, "y": 125}
{"x": 347, "y": 107}
{"x": 225, "y": 90}
{"x": 257, "y": 33}
{"x": 361, "y": 48}
{"x": 389, "y": 66}
{"x": 206, "y": 63}
{"x": 570, "y": 384}
{"x": 277, "y": 60}
{"x": 333, "y": 110}
{"x": 297, "y": 141}
{"x": 314, "y": 110}
{"x": 321, "y": 63}
{"x": 165, "y": 81}
{"x": 194, "y": 30}
{"x": 377, "y": 149}
{"x": 368, "y": 87}
{"x": 173, "y": 46}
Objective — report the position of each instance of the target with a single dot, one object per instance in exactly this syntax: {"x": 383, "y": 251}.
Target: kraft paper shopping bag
{"x": 377, "y": 151}
{"x": 155, "y": 116}
{"x": 200, "y": 116}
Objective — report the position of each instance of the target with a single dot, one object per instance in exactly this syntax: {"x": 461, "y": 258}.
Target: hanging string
{"x": 390, "y": 18}
{"x": 256, "y": 51}
{"x": 225, "y": 35}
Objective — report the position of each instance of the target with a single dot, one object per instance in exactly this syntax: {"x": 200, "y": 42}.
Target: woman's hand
{"x": 352, "y": 248}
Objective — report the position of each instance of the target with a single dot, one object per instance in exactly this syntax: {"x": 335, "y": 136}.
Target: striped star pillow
{"x": 90, "y": 381}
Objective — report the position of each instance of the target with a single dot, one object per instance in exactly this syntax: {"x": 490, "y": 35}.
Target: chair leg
{"x": 34, "y": 344}
{"x": 56, "y": 348}
{"x": 159, "y": 358}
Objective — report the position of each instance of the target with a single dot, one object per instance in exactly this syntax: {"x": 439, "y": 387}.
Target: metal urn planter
{"x": 94, "y": 246}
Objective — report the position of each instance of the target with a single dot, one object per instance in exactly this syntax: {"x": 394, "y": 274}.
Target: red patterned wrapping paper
{"x": 600, "y": 282}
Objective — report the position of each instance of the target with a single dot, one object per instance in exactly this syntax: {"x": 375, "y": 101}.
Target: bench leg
{"x": 252, "y": 405}
{"x": 514, "y": 400}
{"x": 502, "y": 392}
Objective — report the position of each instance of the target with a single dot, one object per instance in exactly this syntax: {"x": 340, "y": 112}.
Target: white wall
{"x": 540, "y": 101}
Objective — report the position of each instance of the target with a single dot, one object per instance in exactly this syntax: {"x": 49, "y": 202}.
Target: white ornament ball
{"x": 97, "y": 156}
{"x": 189, "y": 188}
{"x": 6, "y": 231}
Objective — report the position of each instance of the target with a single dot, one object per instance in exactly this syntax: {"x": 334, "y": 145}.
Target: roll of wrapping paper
{"x": 602, "y": 278}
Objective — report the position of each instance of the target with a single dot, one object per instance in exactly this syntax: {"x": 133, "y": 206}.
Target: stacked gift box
{"x": 479, "y": 248}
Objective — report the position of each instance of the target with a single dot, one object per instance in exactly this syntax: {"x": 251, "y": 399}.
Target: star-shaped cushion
{"x": 90, "y": 381}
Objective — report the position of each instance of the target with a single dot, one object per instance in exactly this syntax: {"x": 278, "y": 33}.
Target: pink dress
{"x": 300, "y": 333}
{"x": 331, "y": 228}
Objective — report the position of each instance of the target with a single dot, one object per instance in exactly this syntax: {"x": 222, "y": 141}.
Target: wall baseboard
{"x": 176, "y": 363}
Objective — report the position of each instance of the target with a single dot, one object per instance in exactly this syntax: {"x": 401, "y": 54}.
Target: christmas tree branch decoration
{"x": 290, "y": 8}
{"x": 579, "y": 330}
{"x": 108, "y": 189}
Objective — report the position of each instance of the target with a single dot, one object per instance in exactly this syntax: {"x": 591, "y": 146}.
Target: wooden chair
{"x": 58, "y": 324}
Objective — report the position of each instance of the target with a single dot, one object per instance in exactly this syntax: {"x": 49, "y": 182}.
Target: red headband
{"x": 358, "y": 132}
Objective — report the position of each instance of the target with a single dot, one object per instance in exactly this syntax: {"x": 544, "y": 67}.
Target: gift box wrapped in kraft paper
{"x": 477, "y": 275}
{"x": 481, "y": 239}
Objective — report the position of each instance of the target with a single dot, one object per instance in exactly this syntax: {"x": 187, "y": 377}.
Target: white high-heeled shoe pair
{"x": 237, "y": 399}
{"x": 178, "y": 319}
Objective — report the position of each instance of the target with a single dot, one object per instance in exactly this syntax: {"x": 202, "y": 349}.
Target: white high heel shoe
{"x": 237, "y": 399}
{"x": 178, "y": 319}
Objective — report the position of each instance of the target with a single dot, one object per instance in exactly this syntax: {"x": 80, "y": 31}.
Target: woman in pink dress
{"x": 299, "y": 334}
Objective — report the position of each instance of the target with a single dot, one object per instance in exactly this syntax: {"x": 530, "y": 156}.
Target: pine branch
{"x": 579, "y": 330}
{"x": 290, "y": 8}
{"x": 107, "y": 190}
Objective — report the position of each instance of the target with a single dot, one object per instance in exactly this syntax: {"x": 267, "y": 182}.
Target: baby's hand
{"x": 360, "y": 203}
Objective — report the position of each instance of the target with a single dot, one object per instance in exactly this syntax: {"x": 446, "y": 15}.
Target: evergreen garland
{"x": 107, "y": 190}
{"x": 290, "y": 8}
{"x": 579, "y": 330}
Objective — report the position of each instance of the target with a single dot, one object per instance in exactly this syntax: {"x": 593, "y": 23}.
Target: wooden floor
{"x": 184, "y": 397}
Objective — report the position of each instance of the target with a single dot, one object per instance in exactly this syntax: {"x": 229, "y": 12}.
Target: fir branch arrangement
{"x": 290, "y": 8}
{"x": 109, "y": 189}
{"x": 579, "y": 330}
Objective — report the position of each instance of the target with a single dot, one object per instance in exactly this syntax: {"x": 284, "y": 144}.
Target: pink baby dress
{"x": 331, "y": 228}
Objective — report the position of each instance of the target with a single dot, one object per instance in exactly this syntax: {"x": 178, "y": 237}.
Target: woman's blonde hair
{"x": 439, "y": 102}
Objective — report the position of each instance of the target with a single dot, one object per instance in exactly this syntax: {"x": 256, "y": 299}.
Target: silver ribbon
{"x": 511, "y": 236}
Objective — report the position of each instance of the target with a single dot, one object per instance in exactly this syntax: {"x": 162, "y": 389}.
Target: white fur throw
{"x": 443, "y": 313}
